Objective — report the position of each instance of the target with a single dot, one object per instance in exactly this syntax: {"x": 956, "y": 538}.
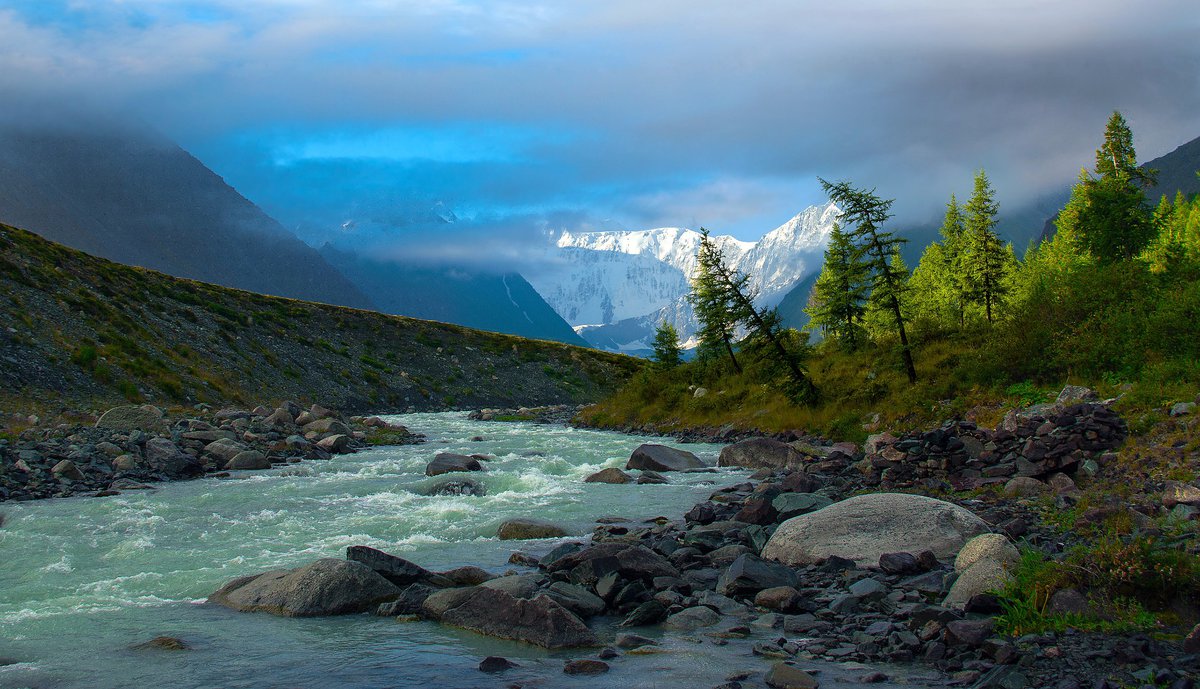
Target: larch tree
{"x": 865, "y": 213}
{"x": 667, "y": 352}
{"x": 840, "y": 292}
{"x": 709, "y": 300}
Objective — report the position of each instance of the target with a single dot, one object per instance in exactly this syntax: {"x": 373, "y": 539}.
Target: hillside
{"x": 83, "y": 330}
{"x": 117, "y": 191}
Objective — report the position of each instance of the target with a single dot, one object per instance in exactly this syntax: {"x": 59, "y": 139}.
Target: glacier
{"x": 615, "y": 287}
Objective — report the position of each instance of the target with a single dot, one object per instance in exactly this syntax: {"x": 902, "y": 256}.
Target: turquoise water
{"x": 84, "y": 578}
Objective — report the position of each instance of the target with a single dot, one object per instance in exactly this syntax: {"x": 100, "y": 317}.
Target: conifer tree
{"x": 984, "y": 259}
{"x": 1111, "y": 216}
{"x": 954, "y": 242}
{"x": 865, "y": 213}
{"x": 709, "y": 300}
{"x": 667, "y": 352}
{"x": 840, "y": 291}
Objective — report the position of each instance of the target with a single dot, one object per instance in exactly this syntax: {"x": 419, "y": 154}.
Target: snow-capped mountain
{"x": 615, "y": 287}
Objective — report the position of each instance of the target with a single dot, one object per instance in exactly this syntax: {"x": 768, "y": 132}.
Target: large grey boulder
{"x": 447, "y": 462}
{"x": 539, "y": 621}
{"x": 866, "y": 526}
{"x": 325, "y": 587}
{"x": 749, "y": 574}
{"x": 691, "y": 618}
{"x": 224, "y": 449}
{"x": 760, "y": 453}
{"x": 131, "y": 417}
{"x": 663, "y": 458}
{"x": 249, "y": 459}
{"x": 984, "y": 564}
{"x": 163, "y": 456}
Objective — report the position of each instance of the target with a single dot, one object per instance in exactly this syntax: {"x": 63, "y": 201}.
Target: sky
{"x": 367, "y": 121}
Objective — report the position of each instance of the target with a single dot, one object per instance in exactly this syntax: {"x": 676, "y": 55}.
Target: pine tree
{"x": 865, "y": 213}
{"x": 954, "y": 242}
{"x": 667, "y": 352}
{"x": 839, "y": 293}
{"x": 940, "y": 289}
{"x": 709, "y": 300}
{"x": 1112, "y": 218}
{"x": 984, "y": 257}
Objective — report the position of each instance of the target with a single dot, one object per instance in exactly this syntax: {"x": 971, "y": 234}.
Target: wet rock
{"x": 653, "y": 478}
{"x": 693, "y": 618}
{"x": 456, "y": 486}
{"x": 411, "y": 601}
{"x": 496, "y": 664}
{"x": 760, "y": 453}
{"x": 784, "y": 676}
{"x": 337, "y": 444}
{"x": 585, "y": 666}
{"x": 865, "y": 527}
{"x": 631, "y": 561}
{"x": 609, "y": 475}
{"x": 539, "y": 621}
{"x": 438, "y": 603}
{"x": 397, "y": 570}
{"x": 468, "y": 575}
{"x": 650, "y": 612}
{"x": 163, "y": 643}
{"x": 575, "y": 598}
{"x": 249, "y": 459}
{"x": 626, "y": 640}
{"x": 325, "y": 587}
{"x": 750, "y": 574}
{"x": 522, "y": 528}
{"x": 662, "y": 458}
{"x": 447, "y": 462}
{"x": 131, "y": 417}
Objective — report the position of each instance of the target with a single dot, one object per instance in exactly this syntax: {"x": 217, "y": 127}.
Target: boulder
{"x": 468, "y": 575}
{"x": 325, "y": 587}
{"x": 437, "y": 603}
{"x": 1182, "y": 408}
{"x": 865, "y": 527}
{"x": 785, "y": 599}
{"x": 1179, "y": 493}
{"x": 784, "y": 676}
{"x": 577, "y": 599}
{"x": 981, "y": 577}
{"x": 691, "y": 618}
{"x": 67, "y": 469}
{"x": 663, "y": 458}
{"x": 631, "y": 561}
{"x": 516, "y": 585}
{"x": 224, "y": 449}
{"x": 397, "y": 570}
{"x": 131, "y": 417}
{"x": 585, "y": 666}
{"x": 496, "y": 664}
{"x": 323, "y": 426}
{"x": 539, "y": 621}
{"x": 338, "y": 444}
{"x": 990, "y": 546}
{"x": 789, "y": 505}
{"x": 1073, "y": 394}
{"x": 609, "y": 475}
{"x": 411, "y": 601}
{"x": 279, "y": 417}
{"x": 165, "y": 457}
{"x": 1024, "y": 486}
{"x": 249, "y": 459}
{"x": 760, "y": 453}
{"x": 447, "y": 462}
{"x": 749, "y": 574}
{"x": 652, "y": 478}
{"x": 522, "y": 528}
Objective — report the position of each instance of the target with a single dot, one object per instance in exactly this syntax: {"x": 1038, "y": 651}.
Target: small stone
{"x": 585, "y": 666}
{"x": 899, "y": 563}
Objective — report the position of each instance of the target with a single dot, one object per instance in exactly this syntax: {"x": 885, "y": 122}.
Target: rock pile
{"x": 131, "y": 446}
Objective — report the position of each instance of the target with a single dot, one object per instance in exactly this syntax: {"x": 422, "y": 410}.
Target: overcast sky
{"x": 522, "y": 116}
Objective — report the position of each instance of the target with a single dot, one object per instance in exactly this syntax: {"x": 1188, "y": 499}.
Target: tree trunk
{"x": 729, "y": 348}
{"x": 797, "y": 375}
{"x": 909, "y": 367}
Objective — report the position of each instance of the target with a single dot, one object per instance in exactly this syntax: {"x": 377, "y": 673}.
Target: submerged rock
{"x": 325, "y": 587}
{"x": 609, "y": 475}
{"x": 456, "y": 486}
{"x": 663, "y": 458}
{"x": 162, "y": 643}
{"x": 865, "y": 527}
{"x": 522, "y": 528}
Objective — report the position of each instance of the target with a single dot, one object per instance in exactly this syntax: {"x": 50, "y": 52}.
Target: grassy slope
{"x": 81, "y": 330}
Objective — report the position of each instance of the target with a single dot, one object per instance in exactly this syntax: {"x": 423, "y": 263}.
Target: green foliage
{"x": 667, "y": 352}
{"x": 985, "y": 262}
{"x": 840, "y": 291}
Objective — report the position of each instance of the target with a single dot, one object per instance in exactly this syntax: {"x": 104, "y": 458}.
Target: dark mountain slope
{"x": 501, "y": 303}
{"x": 80, "y": 330}
{"x": 139, "y": 199}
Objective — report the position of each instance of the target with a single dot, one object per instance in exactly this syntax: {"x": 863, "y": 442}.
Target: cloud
{"x": 619, "y": 112}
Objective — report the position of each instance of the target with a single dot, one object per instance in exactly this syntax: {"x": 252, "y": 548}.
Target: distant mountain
{"x": 503, "y": 303}
{"x": 137, "y": 198}
{"x": 616, "y": 287}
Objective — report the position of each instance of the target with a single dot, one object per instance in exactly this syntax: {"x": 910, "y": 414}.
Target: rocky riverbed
{"x": 131, "y": 446}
